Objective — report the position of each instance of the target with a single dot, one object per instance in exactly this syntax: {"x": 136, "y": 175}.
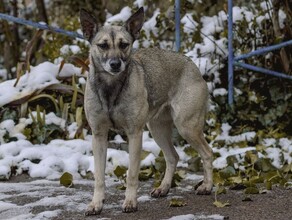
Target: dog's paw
{"x": 94, "y": 208}
{"x": 130, "y": 206}
{"x": 159, "y": 192}
{"x": 204, "y": 189}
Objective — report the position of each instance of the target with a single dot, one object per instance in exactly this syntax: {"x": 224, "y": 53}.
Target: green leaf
{"x": 177, "y": 202}
{"x": 121, "y": 187}
{"x": 194, "y": 164}
{"x": 269, "y": 185}
{"x": 190, "y": 151}
{"x": 219, "y": 204}
{"x": 144, "y": 154}
{"x": 227, "y": 172}
{"x": 66, "y": 179}
{"x": 160, "y": 164}
{"x": 287, "y": 168}
{"x": 220, "y": 190}
{"x": 247, "y": 199}
{"x": 235, "y": 179}
{"x": 251, "y": 156}
{"x": 264, "y": 164}
{"x": 120, "y": 172}
{"x": 251, "y": 190}
{"x": 146, "y": 174}
{"x": 177, "y": 177}
{"x": 217, "y": 179}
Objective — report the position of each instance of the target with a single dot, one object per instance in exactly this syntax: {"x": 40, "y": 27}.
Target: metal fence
{"x": 232, "y": 60}
{"x": 236, "y": 60}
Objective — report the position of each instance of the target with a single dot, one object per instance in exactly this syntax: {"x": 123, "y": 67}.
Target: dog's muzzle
{"x": 115, "y": 65}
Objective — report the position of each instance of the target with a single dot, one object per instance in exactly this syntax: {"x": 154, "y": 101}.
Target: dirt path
{"x": 24, "y": 198}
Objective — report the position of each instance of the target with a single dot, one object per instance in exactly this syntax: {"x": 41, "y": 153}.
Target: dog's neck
{"x": 106, "y": 86}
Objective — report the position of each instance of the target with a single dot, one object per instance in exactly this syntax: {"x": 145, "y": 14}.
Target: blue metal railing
{"x": 234, "y": 60}
{"x": 40, "y": 26}
{"x": 177, "y": 25}
{"x": 230, "y": 52}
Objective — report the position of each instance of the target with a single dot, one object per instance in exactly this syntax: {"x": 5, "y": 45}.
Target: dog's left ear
{"x": 88, "y": 24}
{"x": 135, "y": 22}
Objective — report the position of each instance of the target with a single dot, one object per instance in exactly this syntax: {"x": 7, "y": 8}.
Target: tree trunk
{"x": 279, "y": 35}
{"x": 11, "y": 44}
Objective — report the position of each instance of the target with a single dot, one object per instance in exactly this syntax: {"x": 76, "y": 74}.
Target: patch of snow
{"x": 3, "y": 74}
{"x": 139, "y": 3}
{"x": 150, "y": 25}
{"x": 122, "y": 16}
{"x": 144, "y": 198}
{"x": 39, "y": 77}
{"x": 70, "y": 49}
{"x": 189, "y": 24}
{"x": 239, "y": 13}
{"x": 221, "y": 161}
{"x": 219, "y": 92}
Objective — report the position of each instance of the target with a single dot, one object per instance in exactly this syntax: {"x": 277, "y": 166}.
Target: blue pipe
{"x": 230, "y": 54}
{"x": 263, "y": 50}
{"x": 262, "y": 70}
{"x": 40, "y": 26}
{"x": 177, "y": 25}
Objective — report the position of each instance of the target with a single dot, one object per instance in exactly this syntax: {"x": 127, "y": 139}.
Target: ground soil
{"x": 276, "y": 204}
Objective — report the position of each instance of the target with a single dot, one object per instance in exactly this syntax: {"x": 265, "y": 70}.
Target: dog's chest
{"x": 119, "y": 107}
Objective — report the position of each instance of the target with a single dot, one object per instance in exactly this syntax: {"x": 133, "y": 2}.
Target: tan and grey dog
{"x": 128, "y": 89}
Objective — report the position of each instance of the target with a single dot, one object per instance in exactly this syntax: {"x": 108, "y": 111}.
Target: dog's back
{"x": 166, "y": 73}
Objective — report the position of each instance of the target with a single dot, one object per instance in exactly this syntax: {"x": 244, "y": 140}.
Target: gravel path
{"x": 25, "y": 198}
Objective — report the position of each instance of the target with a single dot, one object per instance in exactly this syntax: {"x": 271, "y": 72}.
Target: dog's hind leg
{"x": 99, "y": 147}
{"x": 196, "y": 139}
{"x": 189, "y": 107}
{"x": 161, "y": 130}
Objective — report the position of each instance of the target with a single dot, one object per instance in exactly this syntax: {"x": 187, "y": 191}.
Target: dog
{"x": 127, "y": 90}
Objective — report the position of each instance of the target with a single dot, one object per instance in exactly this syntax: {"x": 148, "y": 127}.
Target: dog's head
{"x": 111, "y": 45}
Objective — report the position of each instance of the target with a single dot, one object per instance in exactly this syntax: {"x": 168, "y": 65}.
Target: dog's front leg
{"x": 99, "y": 147}
{"x": 135, "y": 146}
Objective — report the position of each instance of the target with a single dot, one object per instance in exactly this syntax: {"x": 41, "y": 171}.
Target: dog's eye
{"x": 103, "y": 46}
{"x": 123, "y": 46}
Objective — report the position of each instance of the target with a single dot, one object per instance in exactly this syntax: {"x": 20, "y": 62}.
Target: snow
{"x": 75, "y": 156}
{"x": 139, "y": 3}
{"x": 221, "y": 161}
{"x": 213, "y": 24}
{"x": 45, "y": 190}
{"x": 70, "y": 48}
{"x": 219, "y": 92}
{"x": 189, "y": 24}
{"x": 38, "y": 78}
{"x": 42, "y": 194}
{"x": 125, "y": 13}
{"x": 239, "y": 13}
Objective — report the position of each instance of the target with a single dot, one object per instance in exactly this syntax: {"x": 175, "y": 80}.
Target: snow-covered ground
{"x": 45, "y": 199}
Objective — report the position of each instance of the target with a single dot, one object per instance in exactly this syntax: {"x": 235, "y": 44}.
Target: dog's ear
{"x": 135, "y": 22}
{"x": 88, "y": 24}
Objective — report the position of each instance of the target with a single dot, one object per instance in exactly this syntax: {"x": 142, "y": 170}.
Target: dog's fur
{"x": 128, "y": 89}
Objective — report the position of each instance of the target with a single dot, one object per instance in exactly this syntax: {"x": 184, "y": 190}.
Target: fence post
{"x": 230, "y": 53}
{"x": 177, "y": 25}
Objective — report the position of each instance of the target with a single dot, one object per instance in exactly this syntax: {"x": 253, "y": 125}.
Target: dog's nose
{"x": 115, "y": 64}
